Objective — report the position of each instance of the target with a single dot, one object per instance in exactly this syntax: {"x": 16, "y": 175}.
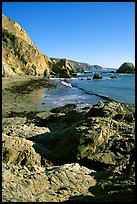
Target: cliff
{"x": 19, "y": 55}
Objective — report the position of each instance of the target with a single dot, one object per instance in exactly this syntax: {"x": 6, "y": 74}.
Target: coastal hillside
{"x": 79, "y": 65}
{"x": 19, "y": 55}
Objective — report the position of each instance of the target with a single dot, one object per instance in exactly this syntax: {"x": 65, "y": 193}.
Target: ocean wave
{"x": 91, "y": 92}
{"x": 66, "y": 83}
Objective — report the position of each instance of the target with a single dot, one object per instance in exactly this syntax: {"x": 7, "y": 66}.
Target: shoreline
{"x": 66, "y": 150}
{"x": 23, "y": 95}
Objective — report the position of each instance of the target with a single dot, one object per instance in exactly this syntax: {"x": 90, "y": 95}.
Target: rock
{"x": 126, "y": 67}
{"x": 53, "y": 184}
{"x": 88, "y": 155}
{"x": 20, "y": 151}
{"x": 63, "y": 69}
{"x": 16, "y": 127}
{"x": 97, "y": 76}
{"x": 100, "y": 135}
{"x": 79, "y": 66}
{"x": 113, "y": 77}
{"x": 113, "y": 185}
{"x": 64, "y": 109}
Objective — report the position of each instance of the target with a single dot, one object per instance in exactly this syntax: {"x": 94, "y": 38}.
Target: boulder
{"x": 19, "y": 151}
{"x": 63, "y": 69}
{"x": 126, "y": 67}
{"x": 97, "y": 76}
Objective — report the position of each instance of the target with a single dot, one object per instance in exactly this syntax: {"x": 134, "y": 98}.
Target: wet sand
{"x": 23, "y": 94}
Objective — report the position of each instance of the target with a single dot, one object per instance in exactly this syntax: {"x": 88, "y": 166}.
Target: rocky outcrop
{"x": 97, "y": 76}
{"x": 103, "y": 135}
{"x": 19, "y": 151}
{"x": 126, "y": 67}
{"x": 53, "y": 184}
{"x": 19, "y": 55}
{"x": 63, "y": 69}
{"x": 64, "y": 109}
{"x": 80, "y": 65}
{"x": 70, "y": 155}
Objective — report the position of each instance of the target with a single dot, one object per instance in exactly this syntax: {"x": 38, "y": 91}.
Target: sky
{"x": 97, "y": 33}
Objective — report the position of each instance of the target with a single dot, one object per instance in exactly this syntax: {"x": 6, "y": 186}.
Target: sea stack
{"x": 126, "y": 67}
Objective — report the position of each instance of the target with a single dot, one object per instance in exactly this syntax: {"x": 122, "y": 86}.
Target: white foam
{"x": 66, "y": 83}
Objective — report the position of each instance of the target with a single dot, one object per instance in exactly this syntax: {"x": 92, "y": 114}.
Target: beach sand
{"x": 23, "y": 94}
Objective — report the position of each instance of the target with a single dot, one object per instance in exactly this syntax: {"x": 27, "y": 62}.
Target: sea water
{"x": 85, "y": 91}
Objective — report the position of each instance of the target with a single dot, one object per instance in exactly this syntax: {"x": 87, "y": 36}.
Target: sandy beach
{"x": 23, "y": 94}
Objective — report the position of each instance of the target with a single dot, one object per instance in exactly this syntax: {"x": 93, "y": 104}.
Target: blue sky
{"x": 101, "y": 33}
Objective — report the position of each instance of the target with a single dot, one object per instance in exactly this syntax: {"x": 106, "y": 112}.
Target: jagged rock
{"x": 105, "y": 143}
{"x": 97, "y": 76}
{"x": 102, "y": 135}
{"x": 52, "y": 184}
{"x": 16, "y": 127}
{"x": 126, "y": 67}
{"x": 113, "y": 185}
{"x": 67, "y": 183}
{"x": 64, "y": 109}
{"x": 20, "y": 151}
{"x": 63, "y": 69}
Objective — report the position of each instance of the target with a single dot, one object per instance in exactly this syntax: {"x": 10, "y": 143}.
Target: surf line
{"x": 86, "y": 91}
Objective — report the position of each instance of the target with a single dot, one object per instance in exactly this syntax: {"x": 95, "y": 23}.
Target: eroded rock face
{"x": 19, "y": 54}
{"x": 20, "y": 151}
{"x": 103, "y": 135}
{"x": 17, "y": 127}
{"x": 63, "y": 69}
{"x": 52, "y": 184}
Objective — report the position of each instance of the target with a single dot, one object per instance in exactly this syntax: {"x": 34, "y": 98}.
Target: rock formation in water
{"x": 70, "y": 155}
{"x": 97, "y": 76}
{"x": 126, "y": 67}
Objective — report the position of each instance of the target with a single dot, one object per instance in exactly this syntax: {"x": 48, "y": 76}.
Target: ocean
{"x": 84, "y": 91}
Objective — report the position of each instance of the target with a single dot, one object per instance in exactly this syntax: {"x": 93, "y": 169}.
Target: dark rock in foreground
{"x": 64, "y": 109}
